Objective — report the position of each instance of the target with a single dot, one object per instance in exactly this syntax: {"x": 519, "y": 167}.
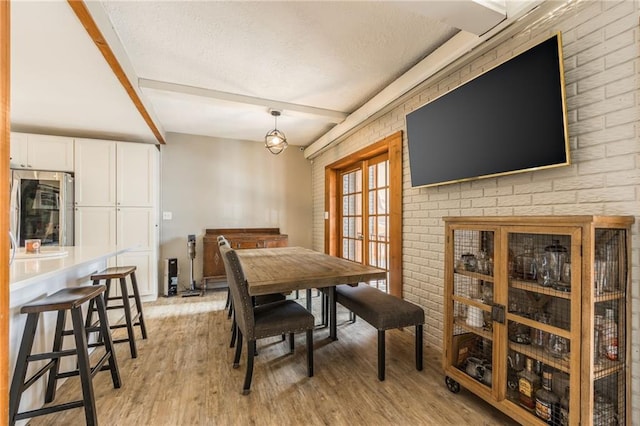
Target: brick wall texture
{"x": 601, "y": 58}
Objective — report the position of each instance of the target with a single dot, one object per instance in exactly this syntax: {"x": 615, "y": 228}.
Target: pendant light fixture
{"x": 275, "y": 141}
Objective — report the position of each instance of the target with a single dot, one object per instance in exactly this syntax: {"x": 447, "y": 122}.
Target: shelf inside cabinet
{"x": 540, "y": 354}
{"x": 480, "y": 331}
{"x": 615, "y": 295}
{"x": 473, "y": 274}
{"x": 607, "y": 367}
{"x": 534, "y": 287}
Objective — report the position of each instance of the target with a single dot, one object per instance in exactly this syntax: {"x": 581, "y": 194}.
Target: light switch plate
{"x": 167, "y": 215}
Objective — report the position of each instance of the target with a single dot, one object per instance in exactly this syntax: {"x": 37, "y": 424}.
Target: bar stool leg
{"x": 17, "y": 385}
{"x": 105, "y": 331}
{"x": 136, "y": 295}
{"x": 84, "y": 368}
{"x": 57, "y": 346}
{"x": 127, "y": 316}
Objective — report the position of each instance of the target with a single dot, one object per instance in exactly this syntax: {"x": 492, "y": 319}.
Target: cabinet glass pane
{"x": 473, "y": 296}
{"x": 609, "y": 348}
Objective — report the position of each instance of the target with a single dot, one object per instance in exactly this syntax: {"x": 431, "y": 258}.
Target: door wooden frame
{"x": 392, "y": 145}
{"x": 5, "y": 125}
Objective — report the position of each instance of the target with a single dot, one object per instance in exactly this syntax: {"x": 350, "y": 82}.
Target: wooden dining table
{"x": 287, "y": 269}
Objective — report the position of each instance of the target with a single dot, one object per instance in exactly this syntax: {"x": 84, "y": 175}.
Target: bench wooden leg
{"x": 419, "y": 347}
{"x": 381, "y": 355}
{"x": 292, "y": 343}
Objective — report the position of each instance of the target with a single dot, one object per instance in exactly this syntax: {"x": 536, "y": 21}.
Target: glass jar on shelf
{"x": 551, "y": 265}
{"x": 525, "y": 262}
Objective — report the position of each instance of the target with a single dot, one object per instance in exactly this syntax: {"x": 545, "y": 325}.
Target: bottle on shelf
{"x": 540, "y": 338}
{"x": 610, "y": 336}
{"x": 547, "y": 401}
{"x": 528, "y": 385}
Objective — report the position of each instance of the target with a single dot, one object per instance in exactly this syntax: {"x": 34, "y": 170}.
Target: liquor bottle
{"x": 546, "y": 400}
{"x": 528, "y": 384}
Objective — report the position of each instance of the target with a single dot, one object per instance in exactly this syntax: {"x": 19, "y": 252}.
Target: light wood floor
{"x": 183, "y": 376}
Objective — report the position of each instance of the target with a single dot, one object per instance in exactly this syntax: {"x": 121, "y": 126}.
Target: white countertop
{"x": 25, "y": 270}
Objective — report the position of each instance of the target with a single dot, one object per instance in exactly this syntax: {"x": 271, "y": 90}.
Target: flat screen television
{"x": 509, "y": 119}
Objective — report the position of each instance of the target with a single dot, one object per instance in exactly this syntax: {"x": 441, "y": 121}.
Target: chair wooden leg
{"x": 309, "y": 306}
{"x": 419, "y": 347}
{"x": 136, "y": 297}
{"x": 236, "y": 359}
{"x": 50, "y": 394}
{"x": 128, "y": 319}
{"x": 234, "y": 332}
{"x": 381, "y": 355}
{"x": 310, "y": 353}
{"x": 251, "y": 346}
{"x": 292, "y": 343}
{"x": 105, "y": 331}
{"x": 20, "y": 373}
{"x": 84, "y": 367}
{"x": 230, "y": 308}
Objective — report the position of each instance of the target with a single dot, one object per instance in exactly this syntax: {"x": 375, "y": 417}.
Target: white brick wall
{"x": 601, "y": 47}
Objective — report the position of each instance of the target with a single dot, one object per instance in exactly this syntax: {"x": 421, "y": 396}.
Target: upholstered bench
{"x": 384, "y": 312}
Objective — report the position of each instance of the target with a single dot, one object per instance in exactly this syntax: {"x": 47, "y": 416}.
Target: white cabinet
{"x": 95, "y": 226}
{"x": 136, "y": 228}
{"x": 116, "y": 203}
{"x": 136, "y": 169}
{"x": 95, "y": 167}
{"x": 41, "y": 152}
{"x": 115, "y": 173}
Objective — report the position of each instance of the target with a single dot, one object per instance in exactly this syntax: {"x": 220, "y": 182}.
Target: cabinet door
{"x": 95, "y": 172}
{"x": 146, "y": 270}
{"x": 543, "y": 315}
{"x": 18, "y": 151}
{"x": 41, "y": 152}
{"x": 137, "y": 166}
{"x": 136, "y": 228}
{"x": 95, "y": 226}
{"x": 470, "y": 329}
{"x": 50, "y": 153}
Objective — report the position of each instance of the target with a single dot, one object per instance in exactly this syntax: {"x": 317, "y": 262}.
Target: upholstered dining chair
{"x": 257, "y": 322}
{"x": 257, "y": 300}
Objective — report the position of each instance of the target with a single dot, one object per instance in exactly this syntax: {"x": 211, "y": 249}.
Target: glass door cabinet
{"x": 537, "y": 316}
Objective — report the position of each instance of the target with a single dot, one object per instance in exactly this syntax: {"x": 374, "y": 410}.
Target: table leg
{"x": 333, "y": 334}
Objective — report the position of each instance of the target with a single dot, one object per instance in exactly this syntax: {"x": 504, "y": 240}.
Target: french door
{"x": 364, "y": 207}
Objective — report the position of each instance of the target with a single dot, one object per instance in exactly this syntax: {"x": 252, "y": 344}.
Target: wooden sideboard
{"x": 239, "y": 238}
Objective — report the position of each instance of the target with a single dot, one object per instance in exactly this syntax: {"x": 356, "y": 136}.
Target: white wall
{"x": 601, "y": 46}
{"x": 211, "y": 183}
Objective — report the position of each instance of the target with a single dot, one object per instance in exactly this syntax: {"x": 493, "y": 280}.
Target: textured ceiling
{"x": 215, "y": 68}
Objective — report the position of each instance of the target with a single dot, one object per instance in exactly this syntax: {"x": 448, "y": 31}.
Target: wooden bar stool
{"x": 121, "y": 273}
{"x": 68, "y": 299}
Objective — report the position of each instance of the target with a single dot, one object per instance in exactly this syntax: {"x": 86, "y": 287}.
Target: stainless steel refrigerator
{"x": 42, "y": 207}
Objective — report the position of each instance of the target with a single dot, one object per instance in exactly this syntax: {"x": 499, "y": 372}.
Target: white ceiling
{"x": 214, "y": 68}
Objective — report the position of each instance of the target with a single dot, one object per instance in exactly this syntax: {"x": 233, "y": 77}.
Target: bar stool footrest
{"x": 49, "y": 410}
